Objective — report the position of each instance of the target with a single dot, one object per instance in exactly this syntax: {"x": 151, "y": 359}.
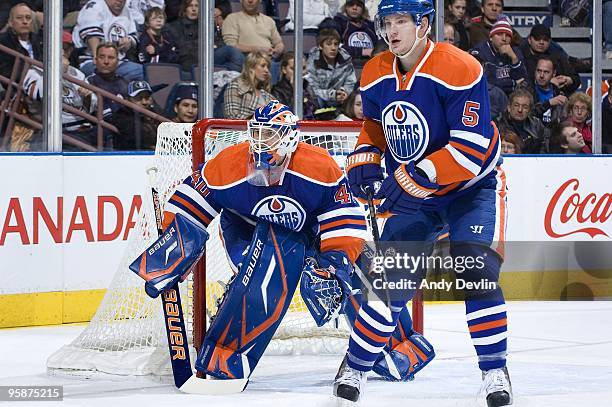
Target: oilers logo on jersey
{"x": 281, "y": 210}
{"x": 406, "y": 131}
{"x": 360, "y": 39}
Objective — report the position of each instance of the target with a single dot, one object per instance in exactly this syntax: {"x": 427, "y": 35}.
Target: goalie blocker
{"x": 170, "y": 258}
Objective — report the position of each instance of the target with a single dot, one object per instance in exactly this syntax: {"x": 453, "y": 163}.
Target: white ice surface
{"x": 560, "y": 354}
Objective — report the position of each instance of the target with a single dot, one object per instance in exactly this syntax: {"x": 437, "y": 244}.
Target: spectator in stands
{"x": 517, "y": 118}
{"x": 156, "y": 44}
{"x": 538, "y": 44}
{"x": 185, "y": 32}
{"x": 186, "y": 104}
{"x": 284, "y": 89}
{"x": 352, "y": 108}
{"x": 19, "y": 37}
{"x": 579, "y": 110}
{"x": 330, "y": 69}
{"x": 107, "y": 21}
{"x": 226, "y": 56}
{"x": 106, "y": 76}
{"x": 567, "y": 140}
{"x": 314, "y": 11}
{"x": 35, "y": 5}
{"x": 357, "y": 32}
{"x": 249, "y": 30}
{"x": 549, "y": 99}
{"x": 251, "y": 89}
{"x": 479, "y": 28}
{"x": 456, "y": 16}
{"x": 503, "y": 63}
{"x": 510, "y": 143}
{"x": 139, "y": 9}
{"x": 607, "y": 27}
{"x": 449, "y": 34}
{"x": 498, "y": 100}
{"x": 136, "y": 130}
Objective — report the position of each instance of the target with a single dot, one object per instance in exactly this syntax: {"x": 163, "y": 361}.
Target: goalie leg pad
{"x": 406, "y": 353}
{"x": 171, "y": 257}
{"x": 255, "y": 303}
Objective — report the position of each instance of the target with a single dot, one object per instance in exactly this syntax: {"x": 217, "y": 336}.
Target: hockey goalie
{"x": 287, "y": 218}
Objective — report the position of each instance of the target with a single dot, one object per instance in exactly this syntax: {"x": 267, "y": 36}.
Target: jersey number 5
{"x": 470, "y": 113}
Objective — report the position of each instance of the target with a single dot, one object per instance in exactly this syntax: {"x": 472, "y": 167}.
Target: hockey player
{"x": 280, "y": 200}
{"x": 426, "y": 109}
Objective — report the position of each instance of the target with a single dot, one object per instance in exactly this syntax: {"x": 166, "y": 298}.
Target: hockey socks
{"x": 486, "y": 319}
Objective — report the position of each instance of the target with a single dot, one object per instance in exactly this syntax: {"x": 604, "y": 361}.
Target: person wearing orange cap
{"x": 503, "y": 63}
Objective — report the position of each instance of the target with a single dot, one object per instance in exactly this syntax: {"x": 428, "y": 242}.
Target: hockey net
{"x": 126, "y": 336}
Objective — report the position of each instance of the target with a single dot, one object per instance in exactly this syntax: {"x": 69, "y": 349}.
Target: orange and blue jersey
{"x": 437, "y": 115}
{"x": 312, "y": 196}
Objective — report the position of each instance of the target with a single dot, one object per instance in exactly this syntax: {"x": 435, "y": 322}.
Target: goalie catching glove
{"x": 171, "y": 257}
{"x": 325, "y": 285}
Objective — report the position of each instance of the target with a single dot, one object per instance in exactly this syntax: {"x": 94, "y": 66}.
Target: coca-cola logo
{"x": 570, "y": 208}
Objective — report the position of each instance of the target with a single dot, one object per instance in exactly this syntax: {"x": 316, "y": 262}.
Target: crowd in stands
{"x": 533, "y": 83}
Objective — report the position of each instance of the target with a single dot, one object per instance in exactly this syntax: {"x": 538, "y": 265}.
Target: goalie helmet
{"x": 417, "y": 9}
{"x": 273, "y": 136}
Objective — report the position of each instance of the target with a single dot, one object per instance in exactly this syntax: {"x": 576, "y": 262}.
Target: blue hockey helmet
{"x": 417, "y": 9}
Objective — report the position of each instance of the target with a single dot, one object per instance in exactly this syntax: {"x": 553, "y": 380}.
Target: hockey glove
{"x": 363, "y": 170}
{"x": 405, "y": 191}
{"x": 325, "y": 285}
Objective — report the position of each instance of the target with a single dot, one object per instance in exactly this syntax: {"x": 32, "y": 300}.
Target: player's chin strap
{"x": 417, "y": 42}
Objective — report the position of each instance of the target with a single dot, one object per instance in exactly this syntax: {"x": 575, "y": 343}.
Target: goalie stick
{"x": 184, "y": 378}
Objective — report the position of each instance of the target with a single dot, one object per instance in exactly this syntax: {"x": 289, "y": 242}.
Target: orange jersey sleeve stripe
{"x": 468, "y": 150}
{"x": 343, "y": 222}
{"x": 205, "y": 219}
{"x": 352, "y": 246}
{"x": 372, "y": 133}
{"x": 488, "y": 325}
{"x": 448, "y": 171}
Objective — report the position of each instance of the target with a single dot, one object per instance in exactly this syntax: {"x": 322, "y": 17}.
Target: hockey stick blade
{"x": 212, "y": 387}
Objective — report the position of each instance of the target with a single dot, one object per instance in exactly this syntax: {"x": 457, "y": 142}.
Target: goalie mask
{"x": 273, "y": 136}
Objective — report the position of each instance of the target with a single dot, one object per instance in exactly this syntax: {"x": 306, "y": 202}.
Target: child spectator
{"x": 330, "y": 69}
{"x": 511, "y": 143}
{"x": 357, "y": 32}
{"x": 579, "y": 111}
{"x": 284, "y": 89}
{"x": 567, "y": 139}
{"x": 156, "y": 43}
{"x": 449, "y": 34}
{"x": 184, "y": 30}
{"x": 186, "y": 104}
{"x": 139, "y": 9}
{"x": 352, "y": 108}
{"x": 251, "y": 89}
{"x": 458, "y": 19}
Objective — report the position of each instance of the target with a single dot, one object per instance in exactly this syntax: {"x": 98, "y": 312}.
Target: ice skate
{"x": 496, "y": 387}
{"x": 349, "y": 383}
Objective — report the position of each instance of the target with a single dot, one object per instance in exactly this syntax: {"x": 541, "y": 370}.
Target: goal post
{"x": 126, "y": 336}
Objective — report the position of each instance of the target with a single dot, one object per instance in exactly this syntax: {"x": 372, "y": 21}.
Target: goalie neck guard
{"x": 273, "y": 136}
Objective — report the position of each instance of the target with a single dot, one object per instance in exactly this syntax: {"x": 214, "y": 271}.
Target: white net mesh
{"x": 126, "y": 336}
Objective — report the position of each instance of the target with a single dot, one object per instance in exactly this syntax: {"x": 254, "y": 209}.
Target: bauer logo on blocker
{"x": 406, "y": 131}
{"x": 281, "y": 210}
